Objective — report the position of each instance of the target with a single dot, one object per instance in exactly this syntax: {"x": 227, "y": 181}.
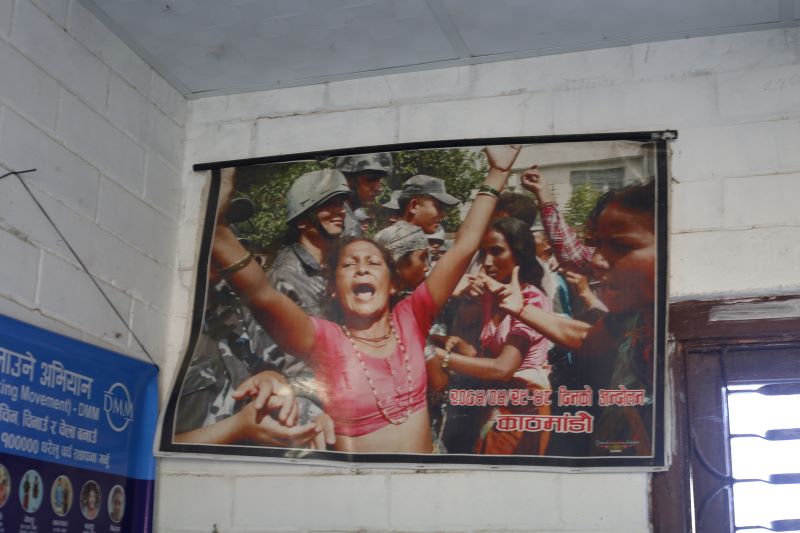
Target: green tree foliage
{"x": 580, "y": 204}
{"x": 266, "y": 186}
{"x": 461, "y": 169}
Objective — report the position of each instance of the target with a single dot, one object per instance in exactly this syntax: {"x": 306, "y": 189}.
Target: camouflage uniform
{"x": 298, "y": 275}
{"x": 232, "y": 347}
{"x": 352, "y": 165}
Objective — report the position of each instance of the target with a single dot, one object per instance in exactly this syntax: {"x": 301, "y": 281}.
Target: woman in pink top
{"x": 371, "y": 366}
{"x": 512, "y": 354}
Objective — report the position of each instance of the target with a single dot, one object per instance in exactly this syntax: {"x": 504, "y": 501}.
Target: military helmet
{"x": 380, "y": 162}
{"x": 313, "y": 188}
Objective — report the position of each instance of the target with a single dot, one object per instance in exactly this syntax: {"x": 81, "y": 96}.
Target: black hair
{"x": 639, "y": 198}
{"x": 518, "y": 235}
{"x": 331, "y": 261}
{"x": 517, "y": 205}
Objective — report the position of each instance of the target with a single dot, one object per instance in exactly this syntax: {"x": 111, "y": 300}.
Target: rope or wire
{"x": 78, "y": 258}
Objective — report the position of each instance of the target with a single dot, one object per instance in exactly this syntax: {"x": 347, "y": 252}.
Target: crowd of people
{"x": 355, "y": 341}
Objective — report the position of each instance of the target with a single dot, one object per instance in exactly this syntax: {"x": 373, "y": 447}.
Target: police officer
{"x": 316, "y": 213}
{"x": 423, "y": 201}
{"x": 365, "y": 174}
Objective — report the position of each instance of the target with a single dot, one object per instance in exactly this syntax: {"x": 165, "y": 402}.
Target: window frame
{"x": 694, "y": 329}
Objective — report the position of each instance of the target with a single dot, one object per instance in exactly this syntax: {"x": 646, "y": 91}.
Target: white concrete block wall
{"x": 105, "y": 134}
{"x": 735, "y": 101}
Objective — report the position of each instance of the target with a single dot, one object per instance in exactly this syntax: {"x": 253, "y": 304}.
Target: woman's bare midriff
{"x": 412, "y": 436}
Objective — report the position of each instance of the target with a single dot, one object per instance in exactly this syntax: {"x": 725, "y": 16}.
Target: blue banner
{"x": 77, "y": 424}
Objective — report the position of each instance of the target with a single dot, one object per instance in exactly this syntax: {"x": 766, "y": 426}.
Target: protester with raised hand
{"x": 371, "y": 367}
{"x": 624, "y": 260}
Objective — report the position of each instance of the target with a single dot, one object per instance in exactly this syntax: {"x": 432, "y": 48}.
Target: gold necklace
{"x": 360, "y": 357}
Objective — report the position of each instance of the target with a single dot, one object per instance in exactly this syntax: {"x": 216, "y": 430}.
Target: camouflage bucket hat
{"x": 380, "y": 162}
{"x": 429, "y": 186}
{"x": 401, "y": 238}
{"x": 312, "y": 189}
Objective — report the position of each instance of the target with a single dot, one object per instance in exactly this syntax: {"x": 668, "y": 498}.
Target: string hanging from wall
{"x": 83, "y": 266}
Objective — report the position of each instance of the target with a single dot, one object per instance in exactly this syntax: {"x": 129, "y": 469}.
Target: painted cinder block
{"x": 115, "y": 154}
{"x": 165, "y": 136}
{"x": 683, "y": 58}
{"x": 696, "y": 205}
{"x": 49, "y": 46}
{"x": 760, "y": 93}
{"x": 25, "y": 313}
{"x": 429, "y": 85}
{"x": 320, "y": 131}
{"x": 19, "y": 269}
{"x": 26, "y": 88}
{"x": 524, "y": 114}
{"x": 128, "y": 109}
{"x": 58, "y": 171}
{"x": 134, "y": 221}
{"x": 459, "y": 501}
{"x": 616, "y": 502}
{"x": 735, "y": 260}
{"x": 150, "y": 326}
{"x": 737, "y": 150}
{"x": 358, "y": 94}
{"x": 205, "y": 110}
{"x": 218, "y": 142}
{"x": 95, "y": 36}
{"x": 107, "y": 257}
{"x": 642, "y": 106}
{"x": 66, "y": 293}
{"x": 162, "y": 187}
{"x": 167, "y": 98}
{"x": 194, "y": 503}
{"x": 19, "y": 214}
{"x": 275, "y": 103}
{"x": 302, "y": 503}
{"x": 562, "y": 72}
{"x": 762, "y": 200}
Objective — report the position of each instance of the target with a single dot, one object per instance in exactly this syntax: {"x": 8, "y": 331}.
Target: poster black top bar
{"x": 638, "y": 136}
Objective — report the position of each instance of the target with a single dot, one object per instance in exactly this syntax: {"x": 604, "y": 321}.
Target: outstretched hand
{"x": 271, "y": 393}
{"x": 509, "y": 296}
{"x": 501, "y": 157}
{"x": 533, "y": 181}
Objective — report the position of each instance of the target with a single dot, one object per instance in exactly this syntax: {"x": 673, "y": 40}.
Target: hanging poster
{"x": 77, "y": 428}
{"x": 495, "y": 302}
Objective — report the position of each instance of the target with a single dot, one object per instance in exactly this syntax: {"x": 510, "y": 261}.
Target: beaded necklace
{"x": 360, "y": 357}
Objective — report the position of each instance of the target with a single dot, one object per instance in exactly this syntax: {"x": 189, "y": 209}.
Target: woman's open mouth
{"x": 364, "y": 291}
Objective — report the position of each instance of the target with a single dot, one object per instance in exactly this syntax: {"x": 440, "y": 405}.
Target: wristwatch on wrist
{"x": 446, "y": 361}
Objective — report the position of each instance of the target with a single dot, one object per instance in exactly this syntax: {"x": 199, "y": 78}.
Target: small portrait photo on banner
{"x": 475, "y": 303}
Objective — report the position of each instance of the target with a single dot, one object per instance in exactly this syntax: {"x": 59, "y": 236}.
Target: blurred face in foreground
{"x": 625, "y": 258}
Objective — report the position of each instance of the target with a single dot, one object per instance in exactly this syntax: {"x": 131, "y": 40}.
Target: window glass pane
{"x": 750, "y": 413}
{"x": 756, "y": 503}
{"x": 755, "y": 458}
{"x": 754, "y": 413}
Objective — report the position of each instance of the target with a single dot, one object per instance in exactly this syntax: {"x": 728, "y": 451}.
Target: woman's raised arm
{"x": 285, "y": 321}
{"x": 449, "y": 269}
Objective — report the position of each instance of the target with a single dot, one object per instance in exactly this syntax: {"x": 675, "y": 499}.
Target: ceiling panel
{"x": 209, "y": 47}
{"x": 518, "y": 25}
